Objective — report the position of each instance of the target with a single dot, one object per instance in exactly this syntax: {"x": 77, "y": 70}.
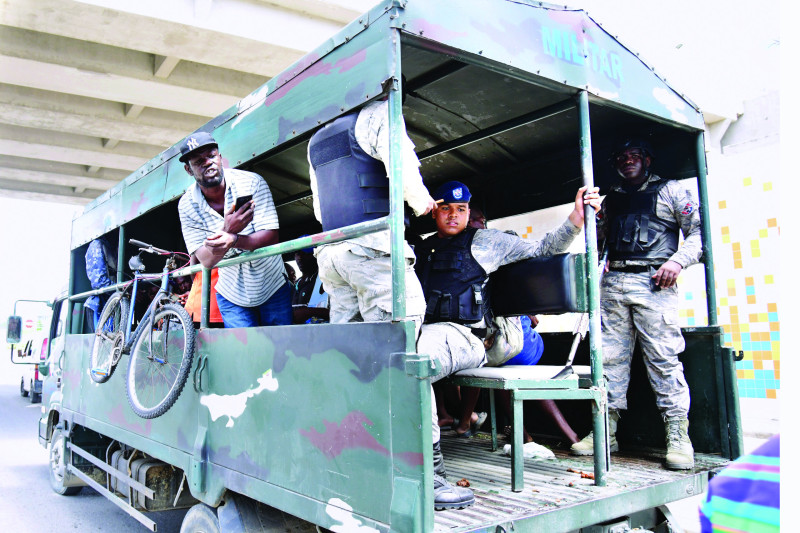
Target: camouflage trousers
{"x": 631, "y": 311}
{"x": 359, "y": 282}
{"x": 452, "y": 348}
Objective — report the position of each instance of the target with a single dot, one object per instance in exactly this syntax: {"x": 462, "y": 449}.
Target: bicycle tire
{"x": 157, "y": 372}
{"x": 110, "y": 332}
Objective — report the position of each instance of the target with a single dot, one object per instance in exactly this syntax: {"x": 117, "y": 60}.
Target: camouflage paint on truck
{"x": 300, "y": 416}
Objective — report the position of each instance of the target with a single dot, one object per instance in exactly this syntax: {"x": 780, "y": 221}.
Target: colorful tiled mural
{"x": 746, "y": 254}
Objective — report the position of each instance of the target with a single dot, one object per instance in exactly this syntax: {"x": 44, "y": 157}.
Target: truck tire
{"x": 22, "y": 391}
{"x": 58, "y": 465}
{"x": 200, "y": 519}
{"x": 36, "y": 397}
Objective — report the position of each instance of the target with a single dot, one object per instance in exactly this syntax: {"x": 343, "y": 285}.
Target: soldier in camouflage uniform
{"x": 453, "y": 266}
{"x": 348, "y": 168}
{"x": 640, "y": 220}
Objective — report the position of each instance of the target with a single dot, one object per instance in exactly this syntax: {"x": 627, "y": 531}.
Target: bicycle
{"x": 161, "y": 348}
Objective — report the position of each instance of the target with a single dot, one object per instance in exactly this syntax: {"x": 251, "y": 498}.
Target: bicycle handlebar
{"x": 148, "y": 247}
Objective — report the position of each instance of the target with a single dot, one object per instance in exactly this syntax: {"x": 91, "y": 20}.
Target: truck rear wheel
{"x": 36, "y": 397}
{"x": 58, "y": 465}
{"x": 200, "y": 519}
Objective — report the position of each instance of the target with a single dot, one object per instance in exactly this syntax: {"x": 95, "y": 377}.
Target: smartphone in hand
{"x": 240, "y": 201}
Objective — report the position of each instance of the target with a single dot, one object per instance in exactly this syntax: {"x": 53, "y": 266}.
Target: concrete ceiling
{"x": 90, "y": 90}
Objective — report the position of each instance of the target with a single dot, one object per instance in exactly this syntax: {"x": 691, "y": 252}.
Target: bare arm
{"x": 216, "y": 246}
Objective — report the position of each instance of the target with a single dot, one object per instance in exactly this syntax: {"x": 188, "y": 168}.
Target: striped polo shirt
{"x": 247, "y": 284}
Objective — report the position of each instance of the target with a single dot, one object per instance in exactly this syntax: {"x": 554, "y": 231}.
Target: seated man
{"x": 530, "y": 355}
{"x": 453, "y": 266}
{"x": 309, "y": 301}
{"x": 249, "y": 294}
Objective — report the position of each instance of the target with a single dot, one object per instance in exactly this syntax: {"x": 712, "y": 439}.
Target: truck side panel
{"x": 322, "y": 418}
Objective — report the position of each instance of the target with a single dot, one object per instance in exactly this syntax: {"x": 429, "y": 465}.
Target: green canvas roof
{"x": 491, "y": 97}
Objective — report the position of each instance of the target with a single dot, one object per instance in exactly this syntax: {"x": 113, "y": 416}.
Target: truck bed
{"x": 637, "y": 481}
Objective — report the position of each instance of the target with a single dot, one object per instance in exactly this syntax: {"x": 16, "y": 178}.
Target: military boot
{"x": 445, "y": 495}
{"x": 586, "y": 446}
{"x": 680, "y": 454}
{"x": 438, "y": 460}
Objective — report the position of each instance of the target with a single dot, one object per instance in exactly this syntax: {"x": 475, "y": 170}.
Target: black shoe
{"x": 447, "y": 496}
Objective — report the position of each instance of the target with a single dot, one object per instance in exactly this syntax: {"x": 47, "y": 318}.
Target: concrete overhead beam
{"x": 74, "y": 156}
{"x": 258, "y": 38}
{"x": 132, "y": 111}
{"x": 82, "y": 55}
{"x": 45, "y": 193}
{"x": 80, "y": 124}
{"x": 104, "y": 111}
{"x": 52, "y": 178}
{"x": 45, "y": 197}
{"x": 341, "y": 11}
{"x": 58, "y": 78}
{"x": 163, "y": 66}
{"x": 55, "y": 167}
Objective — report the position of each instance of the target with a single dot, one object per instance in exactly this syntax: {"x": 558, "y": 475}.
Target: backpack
{"x": 504, "y": 339}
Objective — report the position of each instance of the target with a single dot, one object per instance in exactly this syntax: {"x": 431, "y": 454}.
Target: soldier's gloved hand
{"x": 667, "y": 275}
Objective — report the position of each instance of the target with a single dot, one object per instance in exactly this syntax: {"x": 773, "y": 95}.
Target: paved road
{"x": 27, "y": 504}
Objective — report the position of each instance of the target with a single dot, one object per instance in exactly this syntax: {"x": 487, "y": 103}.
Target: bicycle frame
{"x": 149, "y": 313}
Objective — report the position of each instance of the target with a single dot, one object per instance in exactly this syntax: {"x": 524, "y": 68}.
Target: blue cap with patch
{"x": 310, "y": 249}
{"x": 195, "y": 141}
{"x": 452, "y": 192}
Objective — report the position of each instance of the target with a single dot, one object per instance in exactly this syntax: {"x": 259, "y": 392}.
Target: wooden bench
{"x": 551, "y": 285}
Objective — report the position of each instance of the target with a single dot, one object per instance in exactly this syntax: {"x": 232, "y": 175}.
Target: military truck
{"x": 327, "y": 426}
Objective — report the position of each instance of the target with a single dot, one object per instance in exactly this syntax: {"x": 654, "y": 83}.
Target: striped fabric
{"x": 248, "y": 284}
{"x": 745, "y": 496}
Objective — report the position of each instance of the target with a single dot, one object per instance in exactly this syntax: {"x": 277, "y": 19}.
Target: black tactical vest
{"x": 634, "y": 230}
{"x": 352, "y": 186}
{"x": 452, "y": 280}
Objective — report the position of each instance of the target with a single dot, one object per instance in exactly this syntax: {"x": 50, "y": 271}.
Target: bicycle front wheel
{"x": 109, "y": 338}
{"x": 160, "y": 361}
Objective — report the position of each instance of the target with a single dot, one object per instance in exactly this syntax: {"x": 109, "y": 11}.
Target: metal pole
{"x": 205, "y": 301}
{"x": 121, "y": 254}
{"x": 705, "y": 218}
{"x": 48, "y": 302}
{"x": 595, "y": 341}
{"x": 70, "y": 292}
{"x": 397, "y": 229}
{"x": 396, "y": 225}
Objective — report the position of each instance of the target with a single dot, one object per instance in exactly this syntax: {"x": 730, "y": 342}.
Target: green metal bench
{"x": 551, "y": 285}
